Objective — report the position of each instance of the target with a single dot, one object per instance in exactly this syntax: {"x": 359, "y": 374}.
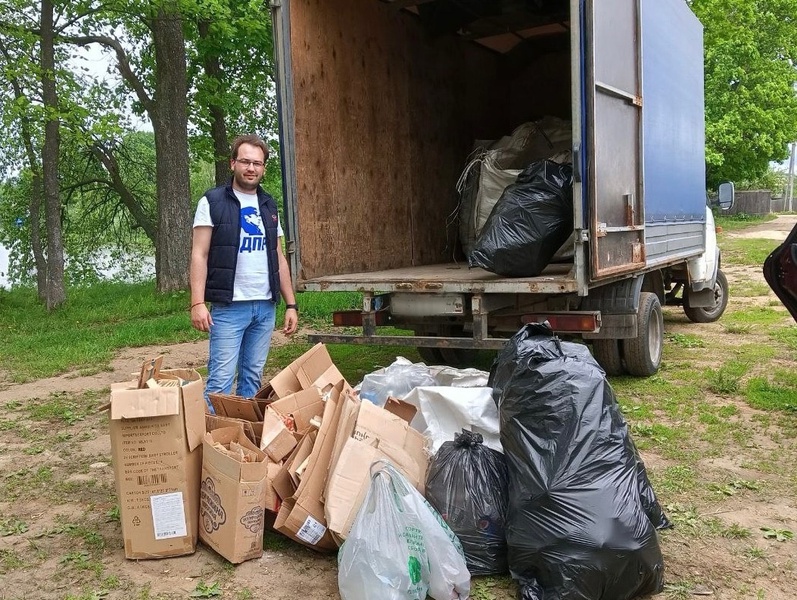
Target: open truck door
{"x": 613, "y": 119}
{"x": 780, "y": 271}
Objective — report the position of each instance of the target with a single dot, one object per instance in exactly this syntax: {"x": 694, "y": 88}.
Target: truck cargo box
{"x": 382, "y": 102}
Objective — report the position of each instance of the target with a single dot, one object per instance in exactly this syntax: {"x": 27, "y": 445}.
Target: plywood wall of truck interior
{"x": 386, "y": 114}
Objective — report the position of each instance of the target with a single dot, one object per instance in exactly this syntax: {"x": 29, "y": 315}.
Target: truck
{"x": 379, "y": 104}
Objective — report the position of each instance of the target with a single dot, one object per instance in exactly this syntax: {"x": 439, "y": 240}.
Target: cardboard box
{"x": 286, "y": 481}
{"x": 301, "y": 516}
{"x": 213, "y": 422}
{"x": 377, "y": 434}
{"x": 303, "y": 406}
{"x": 314, "y": 368}
{"x": 276, "y": 440}
{"x": 156, "y": 440}
{"x": 238, "y": 407}
{"x": 233, "y": 495}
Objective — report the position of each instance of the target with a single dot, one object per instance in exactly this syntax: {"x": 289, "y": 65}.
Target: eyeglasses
{"x": 257, "y": 164}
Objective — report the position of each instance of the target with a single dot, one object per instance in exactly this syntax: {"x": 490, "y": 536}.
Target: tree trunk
{"x": 170, "y": 126}
{"x": 36, "y": 235}
{"x": 218, "y": 126}
{"x": 55, "y": 290}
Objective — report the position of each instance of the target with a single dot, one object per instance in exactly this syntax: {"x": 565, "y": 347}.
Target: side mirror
{"x": 726, "y": 193}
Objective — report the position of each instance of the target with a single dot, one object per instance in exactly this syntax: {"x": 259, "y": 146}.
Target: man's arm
{"x": 286, "y": 289}
{"x": 200, "y": 247}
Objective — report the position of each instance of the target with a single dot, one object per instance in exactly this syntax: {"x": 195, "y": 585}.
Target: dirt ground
{"x": 60, "y": 538}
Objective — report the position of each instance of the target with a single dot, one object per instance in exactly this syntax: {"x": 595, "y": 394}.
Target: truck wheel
{"x": 642, "y": 354}
{"x": 709, "y": 314}
{"x": 607, "y": 353}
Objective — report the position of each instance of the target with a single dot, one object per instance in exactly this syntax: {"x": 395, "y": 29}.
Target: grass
{"x": 97, "y": 321}
{"x": 743, "y": 251}
{"x": 717, "y": 396}
{"x": 741, "y": 221}
{"x": 88, "y": 329}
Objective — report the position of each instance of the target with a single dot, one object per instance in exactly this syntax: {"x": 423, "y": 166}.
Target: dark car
{"x": 780, "y": 271}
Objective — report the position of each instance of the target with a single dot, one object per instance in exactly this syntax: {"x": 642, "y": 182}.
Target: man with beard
{"x": 238, "y": 266}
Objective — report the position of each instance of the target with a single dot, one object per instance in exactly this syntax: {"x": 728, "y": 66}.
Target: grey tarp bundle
{"x": 466, "y": 484}
{"x": 582, "y": 515}
{"x": 528, "y": 224}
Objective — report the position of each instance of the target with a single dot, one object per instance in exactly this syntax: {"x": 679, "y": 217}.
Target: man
{"x": 238, "y": 266}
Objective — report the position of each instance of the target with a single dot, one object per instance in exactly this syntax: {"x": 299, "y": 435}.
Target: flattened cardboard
{"x": 301, "y": 517}
{"x": 233, "y": 497}
{"x": 404, "y": 410}
{"x": 272, "y": 499}
{"x": 236, "y": 407}
{"x": 314, "y": 368}
{"x": 302, "y": 406}
{"x": 378, "y": 434}
{"x": 276, "y": 440}
{"x": 286, "y": 481}
{"x": 156, "y": 436}
{"x": 150, "y": 369}
{"x": 213, "y": 422}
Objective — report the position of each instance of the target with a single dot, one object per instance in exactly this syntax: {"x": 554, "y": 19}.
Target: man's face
{"x": 248, "y": 168}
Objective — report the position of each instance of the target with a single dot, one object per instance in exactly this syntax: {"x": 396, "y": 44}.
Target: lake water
{"x": 3, "y": 266}
{"x": 109, "y": 269}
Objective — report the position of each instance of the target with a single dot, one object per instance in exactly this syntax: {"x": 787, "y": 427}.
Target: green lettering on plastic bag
{"x": 414, "y": 568}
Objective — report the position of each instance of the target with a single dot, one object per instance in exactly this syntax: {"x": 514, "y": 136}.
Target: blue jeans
{"x": 239, "y": 341}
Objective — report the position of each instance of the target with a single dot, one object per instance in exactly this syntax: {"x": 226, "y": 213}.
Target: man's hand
{"x": 200, "y": 317}
{"x": 291, "y": 321}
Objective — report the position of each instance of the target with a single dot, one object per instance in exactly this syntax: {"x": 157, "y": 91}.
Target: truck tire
{"x": 709, "y": 314}
{"x": 642, "y": 354}
{"x": 607, "y": 353}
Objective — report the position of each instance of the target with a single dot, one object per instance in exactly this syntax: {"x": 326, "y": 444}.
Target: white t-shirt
{"x": 251, "y": 273}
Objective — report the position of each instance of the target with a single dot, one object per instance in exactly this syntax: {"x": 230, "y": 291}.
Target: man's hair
{"x": 252, "y": 140}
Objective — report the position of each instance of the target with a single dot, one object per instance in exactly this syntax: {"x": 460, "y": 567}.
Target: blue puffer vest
{"x": 225, "y": 212}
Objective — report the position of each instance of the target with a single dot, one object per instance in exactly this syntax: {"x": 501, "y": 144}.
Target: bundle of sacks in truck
{"x": 516, "y": 200}
{"x": 423, "y": 476}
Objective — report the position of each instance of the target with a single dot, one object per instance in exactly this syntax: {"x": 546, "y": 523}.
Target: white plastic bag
{"x": 399, "y": 548}
{"x": 397, "y": 381}
{"x": 445, "y": 411}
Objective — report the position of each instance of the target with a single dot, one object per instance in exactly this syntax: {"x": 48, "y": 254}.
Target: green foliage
{"x": 773, "y": 180}
{"x": 204, "y": 590}
{"x": 751, "y": 105}
{"x": 777, "y": 534}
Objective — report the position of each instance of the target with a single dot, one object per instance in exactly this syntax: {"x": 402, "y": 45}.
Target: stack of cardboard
{"x": 368, "y": 434}
{"x": 233, "y": 493}
{"x": 156, "y": 427}
{"x": 303, "y": 449}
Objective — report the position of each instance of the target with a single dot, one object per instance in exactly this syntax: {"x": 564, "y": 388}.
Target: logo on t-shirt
{"x": 255, "y": 239}
{"x": 250, "y": 221}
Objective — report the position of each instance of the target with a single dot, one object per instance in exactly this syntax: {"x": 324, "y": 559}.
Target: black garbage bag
{"x": 582, "y": 515}
{"x": 466, "y": 484}
{"x": 528, "y": 224}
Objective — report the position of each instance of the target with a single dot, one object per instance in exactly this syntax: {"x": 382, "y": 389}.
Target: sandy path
{"x": 126, "y": 363}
